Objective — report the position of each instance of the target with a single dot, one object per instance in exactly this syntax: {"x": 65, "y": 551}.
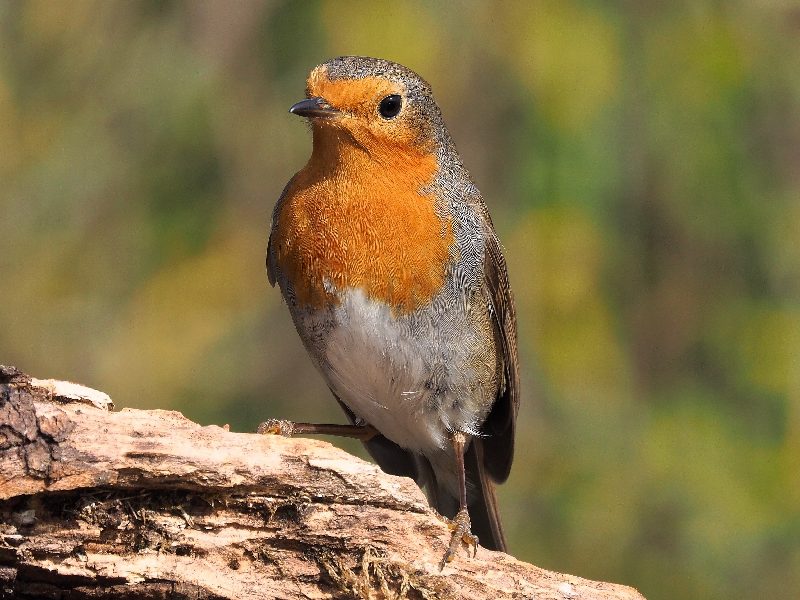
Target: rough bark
{"x": 147, "y": 504}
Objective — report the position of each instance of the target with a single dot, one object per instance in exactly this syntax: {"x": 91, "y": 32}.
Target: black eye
{"x": 390, "y": 106}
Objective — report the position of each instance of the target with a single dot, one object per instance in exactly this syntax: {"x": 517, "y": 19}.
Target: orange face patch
{"x": 354, "y": 96}
{"x": 358, "y": 219}
{"x": 358, "y": 100}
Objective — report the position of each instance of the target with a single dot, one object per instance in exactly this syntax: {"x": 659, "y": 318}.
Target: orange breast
{"x": 358, "y": 222}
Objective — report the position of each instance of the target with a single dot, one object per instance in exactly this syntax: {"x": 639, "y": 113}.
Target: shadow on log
{"x": 147, "y": 504}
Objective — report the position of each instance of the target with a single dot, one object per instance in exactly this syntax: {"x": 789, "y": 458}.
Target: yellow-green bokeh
{"x": 642, "y": 164}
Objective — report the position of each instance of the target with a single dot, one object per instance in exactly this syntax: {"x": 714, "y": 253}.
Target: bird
{"x": 386, "y": 256}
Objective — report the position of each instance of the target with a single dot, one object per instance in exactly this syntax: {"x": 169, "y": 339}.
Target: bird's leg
{"x": 461, "y": 524}
{"x": 285, "y": 428}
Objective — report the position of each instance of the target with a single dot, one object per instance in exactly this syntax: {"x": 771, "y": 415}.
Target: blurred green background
{"x": 642, "y": 163}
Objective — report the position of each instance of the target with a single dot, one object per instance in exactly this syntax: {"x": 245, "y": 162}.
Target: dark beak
{"x": 313, "y": 107}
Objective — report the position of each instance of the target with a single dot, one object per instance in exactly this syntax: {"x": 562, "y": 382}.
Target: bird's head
{"x": 373, "y": 104}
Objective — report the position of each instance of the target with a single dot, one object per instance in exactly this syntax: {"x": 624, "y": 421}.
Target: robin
{"x": 387, "y": 258}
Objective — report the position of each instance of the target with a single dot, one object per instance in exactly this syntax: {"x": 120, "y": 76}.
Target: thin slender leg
{"x": 363, "y": 433}
{"x": 461, "y": 524}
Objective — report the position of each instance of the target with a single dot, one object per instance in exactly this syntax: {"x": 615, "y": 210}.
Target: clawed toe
{"x": 276, "y": 427}
{"x": 460, "y": 526}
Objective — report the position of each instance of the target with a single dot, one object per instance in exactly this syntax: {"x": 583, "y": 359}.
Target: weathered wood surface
{"x": 147, "y": 504}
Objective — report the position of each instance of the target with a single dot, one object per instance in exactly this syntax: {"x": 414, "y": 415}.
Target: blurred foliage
{"x": 641, "y": 160}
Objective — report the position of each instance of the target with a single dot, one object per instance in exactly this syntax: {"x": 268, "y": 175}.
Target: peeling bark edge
{"x": 147, "y": 504}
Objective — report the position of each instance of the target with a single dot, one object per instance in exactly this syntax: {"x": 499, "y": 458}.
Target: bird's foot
{"x": 290, "y": 428}
{"x": 276, "y": 427}
{"x": 460, "y": 526}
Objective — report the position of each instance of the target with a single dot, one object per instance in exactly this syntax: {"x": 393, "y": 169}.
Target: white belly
{"x": 393, "y": 373}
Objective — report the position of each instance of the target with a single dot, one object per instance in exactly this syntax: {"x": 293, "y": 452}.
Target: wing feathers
{"x": 499, "y": 427}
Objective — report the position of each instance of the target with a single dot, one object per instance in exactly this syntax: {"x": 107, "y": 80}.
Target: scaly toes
{"x": 460, "y": 526}
{"x": 276, "y": 427}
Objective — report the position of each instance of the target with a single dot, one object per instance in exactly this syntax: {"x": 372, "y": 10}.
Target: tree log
{"x": 147, "y": 504}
